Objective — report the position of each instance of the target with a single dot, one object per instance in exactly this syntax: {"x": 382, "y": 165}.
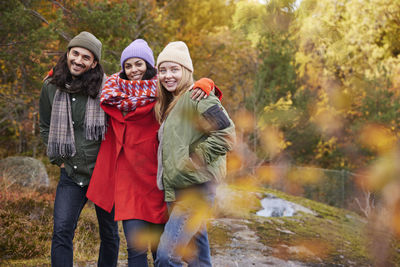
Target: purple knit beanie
{"x": 138, "y": 48}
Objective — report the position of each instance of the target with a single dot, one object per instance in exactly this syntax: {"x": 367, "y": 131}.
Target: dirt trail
{"x": 244, "y": 248}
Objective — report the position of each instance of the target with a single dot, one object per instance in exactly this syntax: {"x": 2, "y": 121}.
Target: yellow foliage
{"x": 378, "y": 138}
{"x": 238, "y": 199}
{"x": 353, "y": 35}
{"x": 325, "y": 116}
{"x": 234, "y": 162}
{"x": 249, "y": 17}
{"x": 247, "y": 183}
{"x": 193, "y": 202}
{"x": 187, "y": 251}
{"x": 325, "y": 147}
{"x": 281, "y": 112}
{"x": 282, "y": 104}
{"x": 244, "y": 121}
{"x": 267, "y": 174}
{"x": 145, "y": 237}
{"x": 305, "y": 175}
{"x": 273, "y": 141}
{"x": 382, "y": 172}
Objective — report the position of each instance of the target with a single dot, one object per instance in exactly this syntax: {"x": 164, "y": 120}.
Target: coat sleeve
{"x": 219, "y": 128}
{"x": 45, "y": 107}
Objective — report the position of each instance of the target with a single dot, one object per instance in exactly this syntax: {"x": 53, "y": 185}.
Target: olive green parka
{"x": 194, "y": 130}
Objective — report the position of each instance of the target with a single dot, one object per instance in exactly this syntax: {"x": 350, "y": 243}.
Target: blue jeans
{"x": 181, "y": 230}
{"x": 136, "y": 230}
{"x": 69, "y": 202}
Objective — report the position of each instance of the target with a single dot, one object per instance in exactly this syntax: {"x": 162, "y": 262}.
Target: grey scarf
{"x": 61, "y": 142}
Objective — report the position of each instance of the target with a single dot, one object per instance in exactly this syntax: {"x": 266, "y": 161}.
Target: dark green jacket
{"x": 193, "y": 127}
{"x": 80, "y": 166}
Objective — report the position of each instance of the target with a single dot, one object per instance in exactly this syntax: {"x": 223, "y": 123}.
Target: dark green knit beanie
{"x": 88, "y": 41}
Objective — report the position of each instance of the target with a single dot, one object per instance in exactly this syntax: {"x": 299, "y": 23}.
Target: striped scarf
{"x": 127, "y": 95}
{"x": 61, "y": 142}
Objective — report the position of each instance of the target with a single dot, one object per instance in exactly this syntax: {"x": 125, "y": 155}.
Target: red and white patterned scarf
{"x": 127, "y": 95}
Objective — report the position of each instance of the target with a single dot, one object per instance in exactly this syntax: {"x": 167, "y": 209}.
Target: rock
{"x": 284, "y": 231}
{"x": 24, "y": 171}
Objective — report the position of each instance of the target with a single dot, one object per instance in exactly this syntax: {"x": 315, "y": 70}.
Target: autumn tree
{"x": 267, "y": 28}
{"x": 348, "y": 59}
{"x": 218, "y": 51}
{"x": 115, "y": 23}
{"x": 47, "y": 27}
{"x": 22, "y": 64}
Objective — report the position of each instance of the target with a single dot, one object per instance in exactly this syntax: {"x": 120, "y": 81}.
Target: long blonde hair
{"x": 167, "y": 100}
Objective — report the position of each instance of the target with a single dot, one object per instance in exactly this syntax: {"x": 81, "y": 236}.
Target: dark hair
{"x": 148, "y": 75}
{"x": 88, "y": 83}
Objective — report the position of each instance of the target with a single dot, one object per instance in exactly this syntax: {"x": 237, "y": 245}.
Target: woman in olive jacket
{"x": 194, "y": 139}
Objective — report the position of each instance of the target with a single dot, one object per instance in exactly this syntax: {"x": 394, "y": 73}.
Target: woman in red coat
{"x": 125, "y": 173}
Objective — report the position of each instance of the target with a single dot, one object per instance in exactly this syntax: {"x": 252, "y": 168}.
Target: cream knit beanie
{"x": 177, "y": 52}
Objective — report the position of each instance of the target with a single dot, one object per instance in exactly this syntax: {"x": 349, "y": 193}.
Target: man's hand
{"x": 202, "y": 88}
{"x": 197, "y": 93}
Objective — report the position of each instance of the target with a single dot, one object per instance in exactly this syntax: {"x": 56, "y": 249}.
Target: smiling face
{"x": 170, "y": 74}
{"x": 135, "y": 68}
{"x": 80, "y": 60}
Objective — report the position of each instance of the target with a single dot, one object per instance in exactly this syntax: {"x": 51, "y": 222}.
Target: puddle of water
{"x": 277, "y": 207}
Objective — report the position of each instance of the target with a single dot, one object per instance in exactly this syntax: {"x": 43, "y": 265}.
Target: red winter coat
{"x": 126, "y": 167}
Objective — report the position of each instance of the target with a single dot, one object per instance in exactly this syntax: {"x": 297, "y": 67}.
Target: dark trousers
{"x": 69, "y": 202}
{"x": 138, "y": 233}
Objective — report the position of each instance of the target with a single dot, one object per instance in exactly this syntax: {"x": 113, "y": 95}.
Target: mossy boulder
{"x": 24, "y": 171}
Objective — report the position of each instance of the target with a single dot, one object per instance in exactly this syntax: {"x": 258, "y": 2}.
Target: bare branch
{"x": 4, "y": 119}
{"x": 36, "y": 14}
{"x": 168, "y": 4}
{"x": 39, "y": 16}
{"x": 369, "y": 203}
{"x": 12, "y": 43}
{"x": 53, "y": 53}
{"x": 61, "y": 6}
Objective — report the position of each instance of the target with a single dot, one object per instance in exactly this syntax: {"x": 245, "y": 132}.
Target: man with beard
{"x": 72, "y": 125}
